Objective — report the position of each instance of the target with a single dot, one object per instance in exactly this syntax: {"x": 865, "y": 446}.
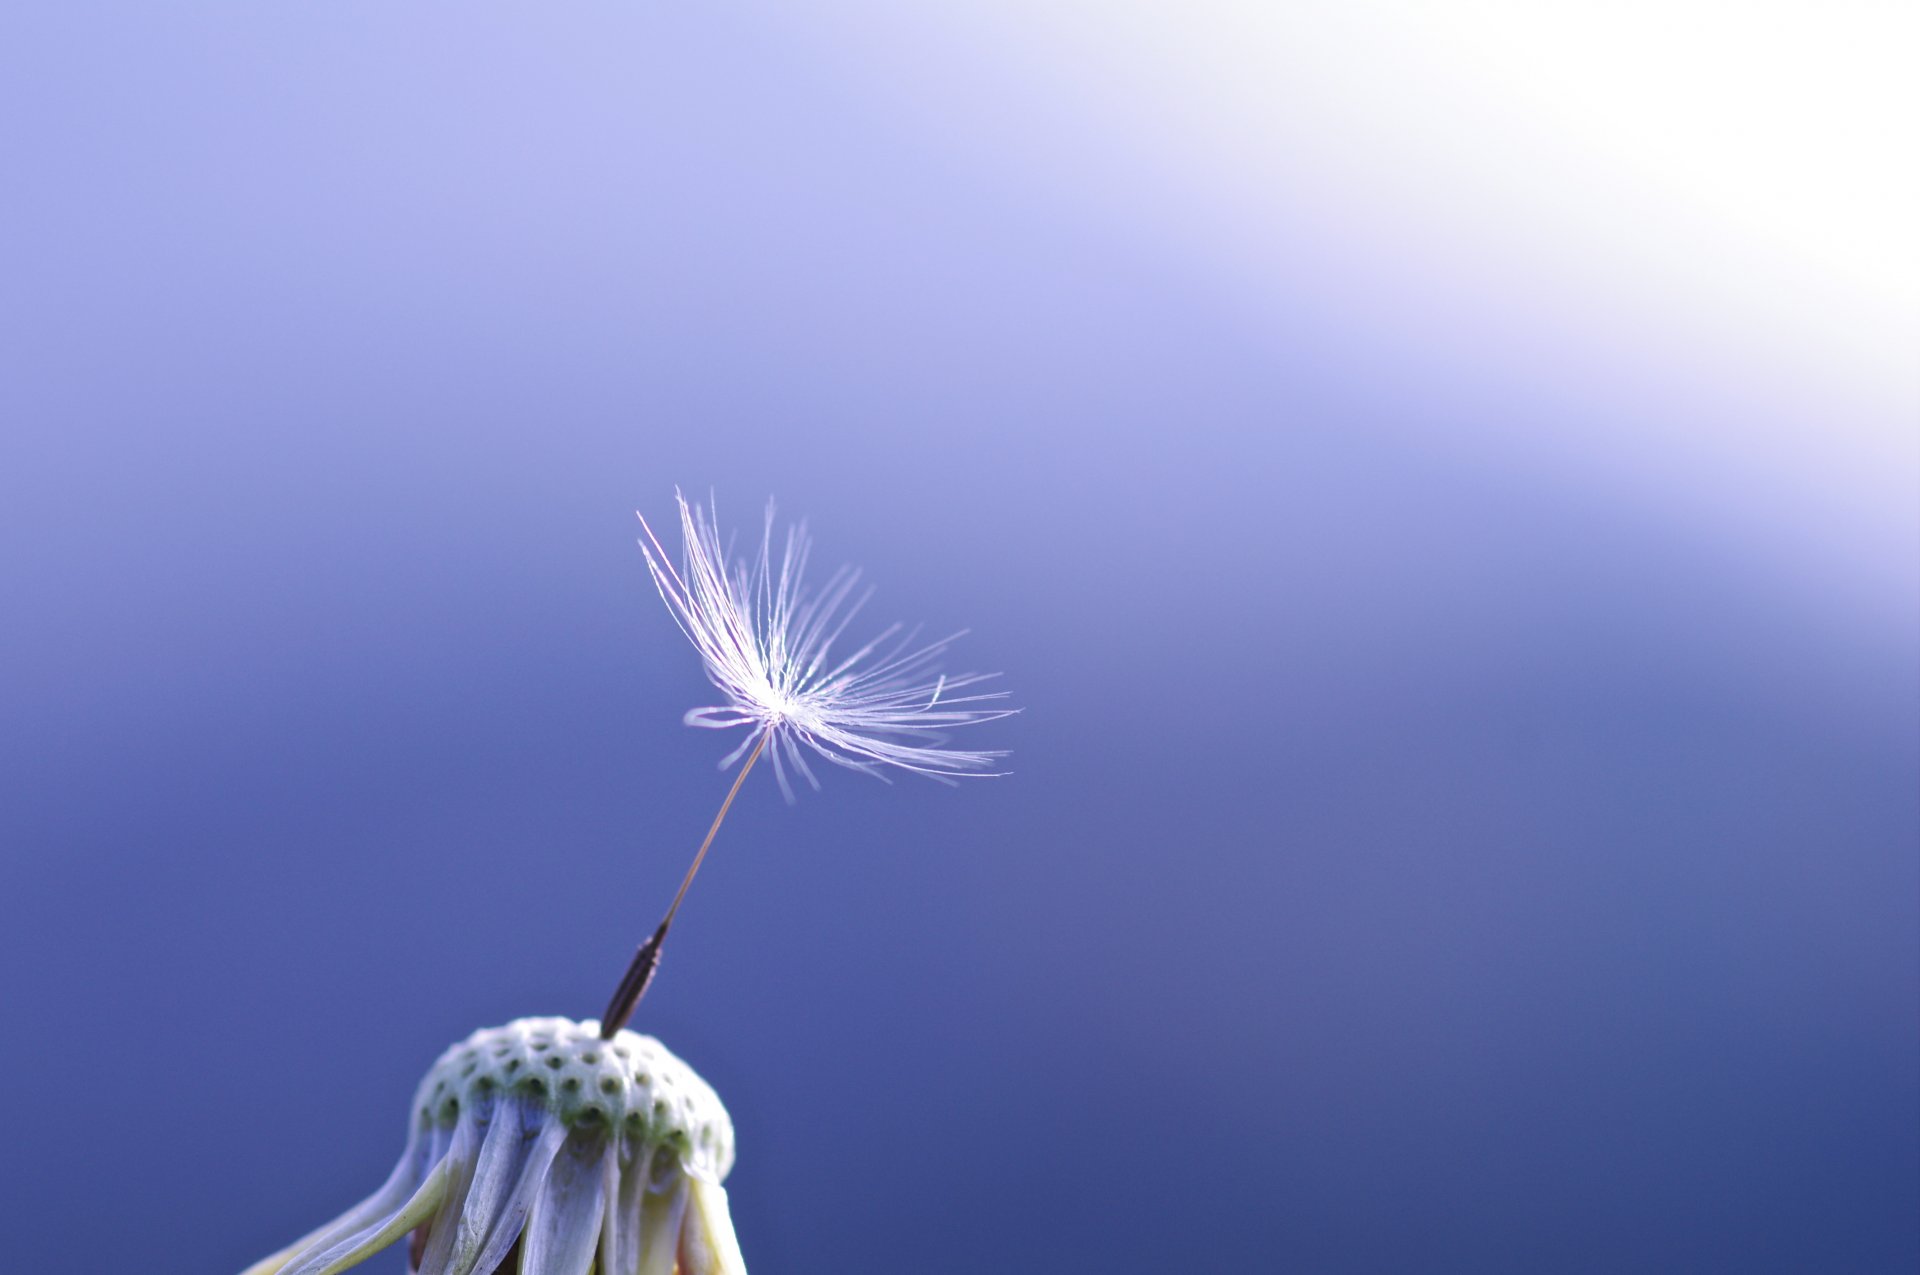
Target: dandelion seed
{"x": 769, "y": 646}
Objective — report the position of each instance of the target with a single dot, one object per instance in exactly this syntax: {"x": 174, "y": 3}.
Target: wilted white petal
{"x": 661, "y": 1212}
{"x": 523, "y": 1142}
{"x": 273, "y": 1263}
{"x": 564, "y": 1228}
{"x": 707, "y": 1243}
{"x": 613, "y": 1231}
{"x": 620, "y": 1247}
{"x": 390, "y": 1228}
{"x": 462, "y": 1149}
{"x": 392, "y": 1194}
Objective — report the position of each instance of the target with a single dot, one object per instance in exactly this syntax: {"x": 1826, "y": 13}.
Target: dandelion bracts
{"x": 539, "y": 1148}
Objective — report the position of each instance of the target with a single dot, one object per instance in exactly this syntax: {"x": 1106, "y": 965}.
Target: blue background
{"x": 1464, "y": 810}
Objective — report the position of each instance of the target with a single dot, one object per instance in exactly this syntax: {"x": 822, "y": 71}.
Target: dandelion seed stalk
{"x": 646, "y": 959}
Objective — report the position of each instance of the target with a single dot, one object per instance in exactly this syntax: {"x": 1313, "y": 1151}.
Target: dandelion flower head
{"x": 772, "y": 647}
{"x": 543, "y": 1149}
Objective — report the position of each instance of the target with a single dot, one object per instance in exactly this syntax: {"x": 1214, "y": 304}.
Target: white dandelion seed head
{"x": 772, "y": 647}
{"x": 540, "y": 1148}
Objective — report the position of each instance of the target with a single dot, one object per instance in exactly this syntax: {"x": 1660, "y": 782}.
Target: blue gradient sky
{"x": 1443, "y": 491}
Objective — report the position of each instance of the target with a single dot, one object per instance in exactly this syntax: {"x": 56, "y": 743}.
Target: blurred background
{"x": 1439, "y": 479}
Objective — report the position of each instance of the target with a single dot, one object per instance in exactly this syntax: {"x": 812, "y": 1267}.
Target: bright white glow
{"x": 1690, "y": 222}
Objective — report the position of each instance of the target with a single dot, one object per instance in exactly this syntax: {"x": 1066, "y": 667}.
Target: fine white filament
{"x": 768, "y": 643}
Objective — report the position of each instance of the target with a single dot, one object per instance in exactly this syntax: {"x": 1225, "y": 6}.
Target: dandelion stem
{"x": 646, "y": 960}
